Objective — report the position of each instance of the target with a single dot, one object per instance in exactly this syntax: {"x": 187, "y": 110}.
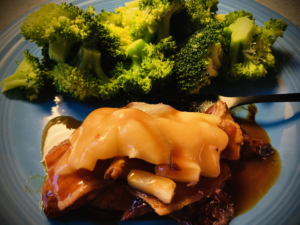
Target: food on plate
{"x": 28, "y": 76}
{"x": 143, "y": 47}
{"x": 148, "y": 158}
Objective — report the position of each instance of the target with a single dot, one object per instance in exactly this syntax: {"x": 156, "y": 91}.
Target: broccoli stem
{"x": 132, "y": 4}
{"x": 220, "y": 17}
{"x": 163, "y": 30}
{"x": 149, "y": 34}
{"x": 89, "y": 60}
{"x": 242, "y": 32}
{"x": 7, "y": 84}
{"x": 248, "y": 64}
{"x": 135, "y": 52}
{"x": 59, "y": 50}
{"x": 18, "y": 79}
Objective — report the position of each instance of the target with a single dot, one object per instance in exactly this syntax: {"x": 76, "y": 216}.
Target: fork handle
{"x": 294, "y": 97}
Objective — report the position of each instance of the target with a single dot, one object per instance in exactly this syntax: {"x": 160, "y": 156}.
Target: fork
{"x": 201, "y": 102}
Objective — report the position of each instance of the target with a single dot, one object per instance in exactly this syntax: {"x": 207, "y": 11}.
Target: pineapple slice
{"x": 161, "y": 187}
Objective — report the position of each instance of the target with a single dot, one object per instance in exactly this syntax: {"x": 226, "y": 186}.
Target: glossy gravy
{"x": 252, "y": 178}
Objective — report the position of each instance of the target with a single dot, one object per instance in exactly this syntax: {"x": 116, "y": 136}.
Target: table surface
{"x": 12, "y": 9}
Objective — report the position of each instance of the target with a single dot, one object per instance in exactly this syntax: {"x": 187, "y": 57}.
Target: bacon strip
{"x": 75, "y": 189}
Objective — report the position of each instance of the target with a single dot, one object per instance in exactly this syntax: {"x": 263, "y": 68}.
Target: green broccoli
{"x": 160, "y": 13}
{"x": 139, "y": 23}
{"x": 260, "y": 51}
{"x": 91, "y": 10}
{"x": 199, "y": 59}
{"x": 46, "y": 63}
{"x": 112, "y": 21}
{"x": 28, "y": 76}
{"x": 64, "y": 31}
{"x": 83, "y": 78}
{"x": 62, "y": 26}
{"x": 195, "y": 16}
{"x": 233, "y": 16}
{"x": 141, "y": 19}
{"x": 247, "y": 46}
{"x": 201, "y": 12}
{"x": 181, "y": 26}
{"x": 151, "y": 66}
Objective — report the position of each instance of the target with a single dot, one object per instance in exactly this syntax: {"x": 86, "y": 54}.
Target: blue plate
{"x": 22, "y": 122}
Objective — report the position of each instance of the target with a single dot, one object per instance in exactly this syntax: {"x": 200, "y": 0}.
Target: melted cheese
{"x": 183, "y": 145}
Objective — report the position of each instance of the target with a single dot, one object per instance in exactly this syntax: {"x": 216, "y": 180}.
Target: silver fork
{"x": 200, "y": 102}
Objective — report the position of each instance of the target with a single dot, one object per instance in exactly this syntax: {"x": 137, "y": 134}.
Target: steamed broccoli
{"x": 247, "y": 46}
{"x": 64, "y": 31}
{"x": 141, "y": 19}
{"x": 160, "y": 13}
{"x": 62, "y": 26}
{"x": 112, "y": 21}
{"x": 28, "y": 76}
{"x": 139, "y": 23}
{"x": 84, "y": 79}
{"x": 96, "y": 56}
{"x": 201, "y": 11}
{"x": 151, "y": 66}
{"x": 199, "y": 59}
{"x": 193, "y": 17}
{"x": 181, "y": 26}
{"x": 91, "y": 10}
{"x": 260, "y": 51}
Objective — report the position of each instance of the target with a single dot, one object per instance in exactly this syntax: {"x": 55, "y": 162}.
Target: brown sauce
{"x": 252, "y": 178}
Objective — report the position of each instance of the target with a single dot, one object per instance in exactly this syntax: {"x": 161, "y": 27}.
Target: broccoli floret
{"x": 160, "y": 13}
{"x": 91, "y": 10}
{"x": 84, "y": 79}
{"x": 62, "y": 26}
{"x": 201, "y": 11}
{"x": 28, "y": 76}
{"x": 248, "y": 46}
{"x": 233, "y": 16}
{"x": 199, "y": 59}
{"x": 260, "y": 50}
{"x": 137, "y": 22}
{"x": 273, "y": 29}
{"x": 112, "y": 21}
{"x": 150, "y": 67}
{"x": 127, "y": 24}
{"x": 181, "y": 27}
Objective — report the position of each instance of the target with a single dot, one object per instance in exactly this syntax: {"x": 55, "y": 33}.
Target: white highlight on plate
{"x": 54, "y": 109}
{"x": 289, "y": 112}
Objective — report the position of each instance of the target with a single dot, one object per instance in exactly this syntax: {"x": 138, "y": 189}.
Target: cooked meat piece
{"x": 77, "y": 188}
{"x": 216, "y": 210}
{"x": 231, "y": 128}
{"x": 50, "y": 202}
{"x": 186, "y": 194}
{"x": 138, "y": 208}
{"x": 120, "y": 167}
{"x": 115, "y": 197}
{"x": 255, "y": 147}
